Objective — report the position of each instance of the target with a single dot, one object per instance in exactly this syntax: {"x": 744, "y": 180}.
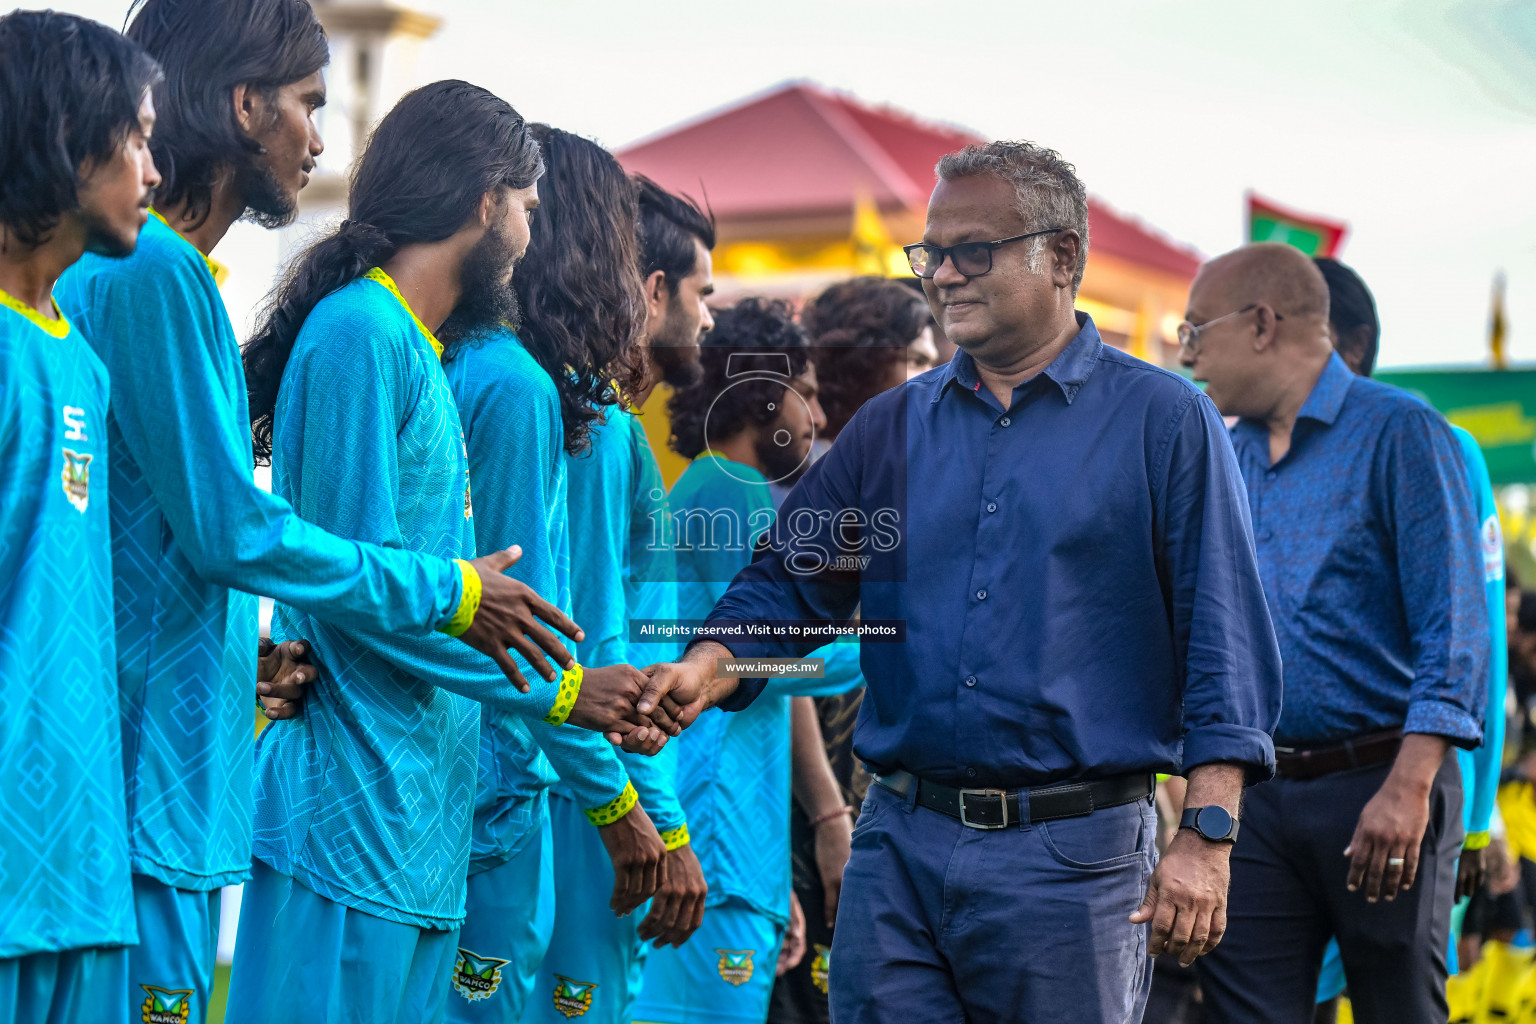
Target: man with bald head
{"x": 1366, "y": 545}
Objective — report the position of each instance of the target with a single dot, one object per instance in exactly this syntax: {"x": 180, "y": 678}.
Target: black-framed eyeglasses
{"x": 1189, "y": 334}
{"x": 970, "y": 259}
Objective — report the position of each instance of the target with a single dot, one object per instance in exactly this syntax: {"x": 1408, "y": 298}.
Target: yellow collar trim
{"x": 624, "y": 401}
{"x": 219, "y": 271}
{"x": 378, "y": 276}
{"x": 710, "y": 453}
{"x": 57, "y": 328}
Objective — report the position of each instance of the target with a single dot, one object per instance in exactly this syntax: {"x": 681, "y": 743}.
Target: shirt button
{"x": 1005, "y": 421}
{"x": 970, "y": 773}
{"x": 981, "y": 595}
{"x": 970, "y": 680}
{"x": 991, "y": 506}
{"x": 1270, "y": 475}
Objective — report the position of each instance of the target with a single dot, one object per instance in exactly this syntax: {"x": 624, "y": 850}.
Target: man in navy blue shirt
{"x": 1367, "y": 548}
{"x": 1058, "y": 533}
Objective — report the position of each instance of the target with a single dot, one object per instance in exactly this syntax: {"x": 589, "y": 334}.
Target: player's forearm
{"x": 585, "y": 761}
{"x": 815, "y": 785}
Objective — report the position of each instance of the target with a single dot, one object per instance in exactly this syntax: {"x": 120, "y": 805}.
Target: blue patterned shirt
{"x": 193, "y": 541}
{"x": 368, "y": 797}
{"x": 1368, "y": 551}
{"x": 64, "y": 880}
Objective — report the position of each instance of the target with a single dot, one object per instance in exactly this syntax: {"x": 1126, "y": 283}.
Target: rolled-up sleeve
{"x": 1440, "y": 571}
{"x": 1223, "y": 635}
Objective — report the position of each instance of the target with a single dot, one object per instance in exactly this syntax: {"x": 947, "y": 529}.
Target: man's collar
{"x": 1327, "y": 396}
{"x": 1070, "y": 369}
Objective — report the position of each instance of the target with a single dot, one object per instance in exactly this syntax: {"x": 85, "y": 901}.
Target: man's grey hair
{"x": 1046, "y": 189}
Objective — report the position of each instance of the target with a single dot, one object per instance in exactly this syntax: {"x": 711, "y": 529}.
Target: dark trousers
{"x": 940, "y": 924}
{"x": 1288, "y": 896}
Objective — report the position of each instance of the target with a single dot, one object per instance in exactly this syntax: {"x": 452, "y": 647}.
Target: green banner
{"x": 1497, "y": 407}
{"x": 1268, "y": 228}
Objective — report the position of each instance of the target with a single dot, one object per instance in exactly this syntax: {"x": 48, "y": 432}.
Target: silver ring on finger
{"x": 1396, "y": 862}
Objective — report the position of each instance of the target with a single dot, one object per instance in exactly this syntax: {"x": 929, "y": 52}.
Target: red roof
{"x": 802, "y": 150}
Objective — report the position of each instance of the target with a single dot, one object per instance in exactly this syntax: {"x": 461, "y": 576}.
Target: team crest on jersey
{"x": 735, "y": 965}
{"x": 77, "y": 479}
{"x": 165, "y": 1005}
{"x": 819, "y": 967}
{"x": 572, "y": 998}
{"x": 1493, "y": 549}
{"x": 476, "y": 976}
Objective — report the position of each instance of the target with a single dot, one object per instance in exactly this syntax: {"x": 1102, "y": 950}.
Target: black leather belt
{"x": 1356, "y": 752}
{"x": 1000, "y": 808}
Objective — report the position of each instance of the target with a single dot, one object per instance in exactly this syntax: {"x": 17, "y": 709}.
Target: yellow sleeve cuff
{"x": 1476, "y": 840}
{"x": 675, "y": 837}
{"x": 469, "y": 601}
{"x": 614, "y": 809}
{"x": 565, "y": 700}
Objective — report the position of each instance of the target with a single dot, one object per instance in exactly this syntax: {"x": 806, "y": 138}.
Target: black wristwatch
{"x": 1213, "y": 823}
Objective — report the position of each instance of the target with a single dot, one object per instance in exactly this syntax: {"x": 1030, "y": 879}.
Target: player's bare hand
{"x": 678, "y": 907}
{"x": 1186, "y": 900}
{"x": 512, "y": 616}
{"x": 282, "y": 672}
{"x": 639, "y": 859}
{"x": 793, "y": 949}
{"x": 639, "y": 739}
{"x": 677, "y": 692}
{"x": 834, "y": 842}
{"x": 1471, "y": 872}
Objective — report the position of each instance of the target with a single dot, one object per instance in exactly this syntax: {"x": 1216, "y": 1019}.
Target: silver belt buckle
{"x": 1002, "y": 799}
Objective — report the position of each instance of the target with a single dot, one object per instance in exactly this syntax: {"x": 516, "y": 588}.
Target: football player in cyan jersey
{"x": 365, "y": 802}
{"x": 624, "y": 570}
{"x": 76, "y": 174}
{"x": 531, "y": 405}
{"x": 194, "y": 539}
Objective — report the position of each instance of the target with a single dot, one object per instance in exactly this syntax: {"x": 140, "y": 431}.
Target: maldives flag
{"x": 1271, "y": 222}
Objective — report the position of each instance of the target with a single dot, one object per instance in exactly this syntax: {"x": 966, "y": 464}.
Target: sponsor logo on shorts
{"x": 819, "y": 968}
{"x": 476, "y": 976}
{"x": 165, "y": 1005}
{"x": 572, "y": 998}
{"x": 77, "y": 479}
{"x": 735, "y": 965}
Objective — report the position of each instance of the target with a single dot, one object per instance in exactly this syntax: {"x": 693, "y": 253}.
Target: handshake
{"x": 638, "y": 709}
{"x": 635, "y": 709}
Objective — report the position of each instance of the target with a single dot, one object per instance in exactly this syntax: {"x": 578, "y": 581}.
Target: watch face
{"x": 1214, "y": 822}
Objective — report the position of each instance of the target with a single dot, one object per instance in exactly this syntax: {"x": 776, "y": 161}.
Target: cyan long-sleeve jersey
{"x": 64, "y": 881}
{"x": 188, "y": 525}
{"x": 735, "y": 769}
{"x": 622, "y": 567}
{"x": 510, "y": 411}
{"x": 1480, "y": 767}
{"x": 368, "y": 798}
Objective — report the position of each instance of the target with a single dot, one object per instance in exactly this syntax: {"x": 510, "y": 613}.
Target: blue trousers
{"x": 300, "y": 956}
{"x": 172, "y": 966}
{"x": 76, "y": 986}
{"x": 940, "y": 923}
{"x": 511, "y": 910}
{"x": 590, "y": 946}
